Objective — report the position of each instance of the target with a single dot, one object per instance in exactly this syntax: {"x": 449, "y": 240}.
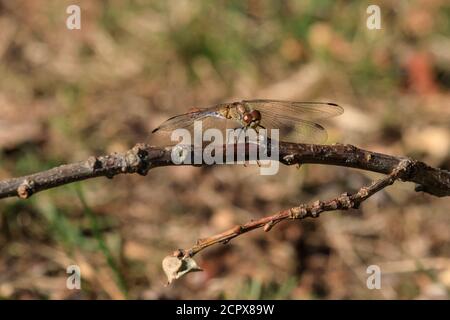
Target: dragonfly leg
{"x": 258, "y": 136}
{"x": 257, "y": 142}
{"x": 244, "y": 129}
{"x": 238, "y": 138}
{"x": 256, "y": 128}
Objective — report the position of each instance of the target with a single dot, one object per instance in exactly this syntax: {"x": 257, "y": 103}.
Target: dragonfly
{"x": 295, "y": 120}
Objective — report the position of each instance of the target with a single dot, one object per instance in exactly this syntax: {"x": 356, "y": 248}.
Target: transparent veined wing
{"x": 187, "y": 120}
{"x": 296, "y": 110}
{"x": 294, "y": 130}
{"x": 295, "y": 120}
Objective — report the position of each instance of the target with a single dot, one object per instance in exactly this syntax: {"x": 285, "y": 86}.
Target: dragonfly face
{"x": 246, "y": 116}
{"x": 252, "y": 119}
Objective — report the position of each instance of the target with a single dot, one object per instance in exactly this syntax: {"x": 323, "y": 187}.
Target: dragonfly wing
{"x": 186, "y": 120}
{"x": 294, "y": 130}
{"x": 296, "y": 110}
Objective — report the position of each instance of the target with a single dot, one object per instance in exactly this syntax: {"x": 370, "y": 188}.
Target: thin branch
{"x": 142, "y": 157}
{"x": 342, "y": 202}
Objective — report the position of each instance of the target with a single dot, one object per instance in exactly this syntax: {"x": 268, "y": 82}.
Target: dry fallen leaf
{"x": 175, "y": 267}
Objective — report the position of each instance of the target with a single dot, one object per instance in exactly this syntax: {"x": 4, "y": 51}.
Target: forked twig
{"x": 342, "y": 202}
{"x": 142, "y": 157}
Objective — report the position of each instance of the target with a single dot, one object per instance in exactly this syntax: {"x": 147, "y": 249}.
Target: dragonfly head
{"x": 252, "y": 119}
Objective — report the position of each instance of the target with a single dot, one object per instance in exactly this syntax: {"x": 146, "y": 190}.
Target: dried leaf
{"x": 175, "y": 267}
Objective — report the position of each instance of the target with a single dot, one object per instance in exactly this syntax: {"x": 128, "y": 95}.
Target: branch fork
{"x": 343, "y": 202}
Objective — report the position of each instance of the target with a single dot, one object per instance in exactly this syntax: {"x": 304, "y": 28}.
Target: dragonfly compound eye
{"x": 256, "y": 115}
{"x": 247, "y": 118}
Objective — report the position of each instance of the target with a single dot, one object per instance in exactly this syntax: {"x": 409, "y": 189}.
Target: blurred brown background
{"x": 68, "y": 94}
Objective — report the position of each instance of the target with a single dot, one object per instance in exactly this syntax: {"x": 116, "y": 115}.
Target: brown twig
{"x": 342, "y": 202}
{"x": 142, "y": 157}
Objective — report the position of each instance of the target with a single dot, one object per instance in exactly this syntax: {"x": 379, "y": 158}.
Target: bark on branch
{"x": 142, "y": 157}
